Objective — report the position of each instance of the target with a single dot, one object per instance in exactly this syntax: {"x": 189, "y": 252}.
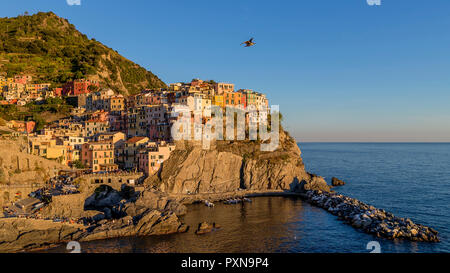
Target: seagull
{"x": 249, "y": 43}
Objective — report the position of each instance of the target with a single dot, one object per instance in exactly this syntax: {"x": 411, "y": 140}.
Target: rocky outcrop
{"x": 337, "y": 182}
{"x": 151, "y": 222}
{"x": 370, "y": 219}
{"x": 151, "y": 199}
{"x": 23, "y": 234}
{"x": 107, "y": 213}
{"x": 232, "y": 165}
{"x": 19, "y": 234}
{"x": 205, "y": 227}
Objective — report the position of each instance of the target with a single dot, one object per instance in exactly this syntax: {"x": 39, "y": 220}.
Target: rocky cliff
{"x": 112, "y": 215}
{"x": 19, "y": 167}
{"x": 233, "y": 165}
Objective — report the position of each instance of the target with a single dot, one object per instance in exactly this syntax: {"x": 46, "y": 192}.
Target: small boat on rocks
{"x": 209, "y": 204}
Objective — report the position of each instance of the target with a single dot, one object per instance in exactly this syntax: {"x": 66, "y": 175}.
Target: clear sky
{"x": 340, "y": 70}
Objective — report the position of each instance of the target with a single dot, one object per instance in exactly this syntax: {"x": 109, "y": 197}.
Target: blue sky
{"x": 340, "y": 70}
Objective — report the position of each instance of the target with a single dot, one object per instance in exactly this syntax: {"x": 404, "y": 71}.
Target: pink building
{"x": 151, "y": 158}
{"x": 100, "y": 115}
{"x": 23, "y": 79}
{"x": 151, "y": 99}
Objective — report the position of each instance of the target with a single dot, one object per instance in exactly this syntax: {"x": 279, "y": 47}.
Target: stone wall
{"x": 12, "y": 193}
{"x": 88, "y": 183}
{"x": 71, "y": 205}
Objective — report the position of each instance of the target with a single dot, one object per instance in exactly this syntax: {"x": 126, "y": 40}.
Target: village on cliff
{"x": 108, "y": 132}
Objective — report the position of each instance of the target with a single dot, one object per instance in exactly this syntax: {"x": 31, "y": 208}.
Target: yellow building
{"x": 58, "y": 152}
{"x": 116, "y": 103}
{"x": 218, "y": 100}
{"x": 3, "y": 83}
{"x": 49, "y": 149}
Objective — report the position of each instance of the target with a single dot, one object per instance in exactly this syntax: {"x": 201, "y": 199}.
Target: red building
{"x": 22, "y": 79}
{"x": 78, "y": 87}
{"x": 22, "y": 126}
{"x": 57, "y": 92}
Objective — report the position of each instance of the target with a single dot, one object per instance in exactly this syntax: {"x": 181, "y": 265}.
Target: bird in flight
{"x": 249, "y": 43}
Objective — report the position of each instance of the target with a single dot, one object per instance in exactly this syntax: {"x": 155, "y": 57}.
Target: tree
{"x": 93, "y": 88}
{"x": 78, "y": 164}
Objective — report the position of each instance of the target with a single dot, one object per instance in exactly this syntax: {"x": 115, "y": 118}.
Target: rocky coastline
{"x": 110, "y": 215}
{"x": 369, "y": 219}
{"x": 153, "y": 214}
{"x": 229, "y": 170}
{"x": 358, "y": 214}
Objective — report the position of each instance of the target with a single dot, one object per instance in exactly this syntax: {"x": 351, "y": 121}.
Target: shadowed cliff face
{"x": 232, "y": 165}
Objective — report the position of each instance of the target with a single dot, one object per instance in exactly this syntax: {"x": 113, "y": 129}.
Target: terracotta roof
{"x": 135, "y": 139}
{"x": 98, "y": 142}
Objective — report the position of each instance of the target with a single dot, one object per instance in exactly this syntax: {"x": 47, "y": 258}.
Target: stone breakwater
{"x": 370, "y": 219}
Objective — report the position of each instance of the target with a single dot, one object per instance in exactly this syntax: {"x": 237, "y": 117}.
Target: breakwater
{"x": 370, "y": 219}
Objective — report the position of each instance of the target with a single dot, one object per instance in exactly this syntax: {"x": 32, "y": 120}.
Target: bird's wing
{"x": 251, "y": 40}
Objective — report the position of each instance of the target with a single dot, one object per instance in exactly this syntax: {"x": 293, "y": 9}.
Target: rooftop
{"x": 135, "y": 139}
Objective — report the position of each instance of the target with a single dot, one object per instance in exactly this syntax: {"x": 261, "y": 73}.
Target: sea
{"x": 408, "y": 179}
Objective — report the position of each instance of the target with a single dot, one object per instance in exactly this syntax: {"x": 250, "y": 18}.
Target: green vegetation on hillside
{"x": 35, "y": 111}
{"x": 53, "y": 50}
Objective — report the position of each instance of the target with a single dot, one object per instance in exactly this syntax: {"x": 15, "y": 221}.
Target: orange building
{"x": 99, "y": 156}
{"x": 234, "y": 99}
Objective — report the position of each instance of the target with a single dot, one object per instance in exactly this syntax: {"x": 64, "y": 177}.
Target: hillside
{"x": 53, "y": 50}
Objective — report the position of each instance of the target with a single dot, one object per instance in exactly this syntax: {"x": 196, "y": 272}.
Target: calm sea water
{"x": 410, "y": 180}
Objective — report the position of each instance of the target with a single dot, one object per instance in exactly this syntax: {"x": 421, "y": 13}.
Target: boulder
{"x": 203, "y": 228}
{"x": 337, "y": 182}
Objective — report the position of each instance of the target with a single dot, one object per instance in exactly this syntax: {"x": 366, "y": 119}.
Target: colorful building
{"x": 254, "y": 98}
{"x": 23, "y": 79}
{"x": 116, "y": 104}
{"x": 48, "y": 148}
{"x": 78, "y": 87}
{"x": 221, "y": 88}
{"x": 130, "y": 152}
{"x": 98, "y": 156}
{"x": 151, "y": 158}
{"x": 234, "y": 99}
{"x": 22, "y": 126}
{"x": 95, "y": 126}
